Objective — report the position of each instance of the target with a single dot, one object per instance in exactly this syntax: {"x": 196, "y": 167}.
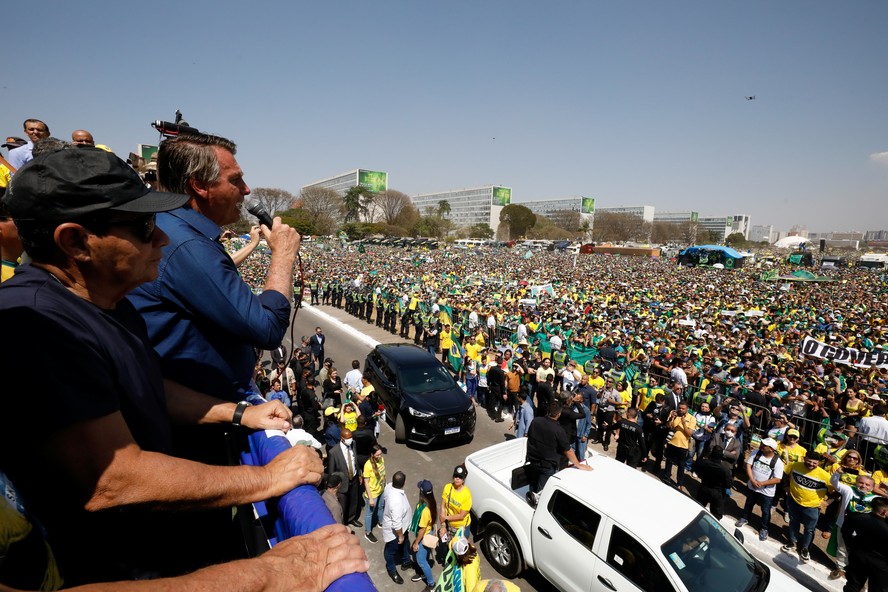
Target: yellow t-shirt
{"x": 596, "y": 382}
{"x": 824, "y": 449}
{"x": 350, "y": 420}
{"x": 456, "y": 501}
{"x": 791, "y": 455}
{"x": 374, "y": 483}
{"x": 808, "y": 488}
{"x": 446, "y": 339}
{"x": 847, "y": 478}
{"x": 425, "y": 519}
{"x": 880, "y": 476}
{"x": 473, "y": 350}
{"x": 679, "y": 439}
{"x": 6, "y": 271}
{"x": 648, "y": 394}
{"x": 5, "y": 176}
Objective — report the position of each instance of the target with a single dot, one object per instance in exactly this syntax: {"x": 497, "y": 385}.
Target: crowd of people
{"x": 159, "y": 328}
{"x": 697, "y": 367}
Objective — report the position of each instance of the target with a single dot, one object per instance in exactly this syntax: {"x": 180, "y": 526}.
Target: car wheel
{"x": 400, "y": 429}
{"x": 502, "y": 550}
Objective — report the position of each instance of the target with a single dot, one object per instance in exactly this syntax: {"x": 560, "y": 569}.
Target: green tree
{"x": 356, "y": 203}
{"x": 479, "y": 230}
{"x": 736, "y": 239}
{"x": 429, "y": 226}
{"x": 357, "y": 230}
{"x": 443, "y": 208}
{"x": 273, "y": 199}
{"x": 518, "y": 218}
{"x": 301, "y": 220}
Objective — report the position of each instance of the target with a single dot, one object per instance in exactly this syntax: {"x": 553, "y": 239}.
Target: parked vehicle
{"x": 612, "y": 528}
{"x": 421, "y": 397}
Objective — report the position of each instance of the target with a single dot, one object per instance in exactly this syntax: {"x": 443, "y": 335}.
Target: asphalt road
{"x": 350, "y": 339}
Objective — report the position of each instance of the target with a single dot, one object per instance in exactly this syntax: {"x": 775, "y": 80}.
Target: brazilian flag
{"x": 450, "y": 579}
{"x": 455, "y": 356}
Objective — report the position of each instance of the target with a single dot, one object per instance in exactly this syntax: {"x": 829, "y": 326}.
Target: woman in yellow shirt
{"x": 425, "y": 521}
{"x": 374, "y": 485}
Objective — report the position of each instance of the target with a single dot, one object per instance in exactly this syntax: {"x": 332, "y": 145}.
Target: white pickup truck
{"x": 612, "y": 528}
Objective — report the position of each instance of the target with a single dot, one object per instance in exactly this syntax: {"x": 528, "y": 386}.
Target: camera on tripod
{"x": 177, "y": 128}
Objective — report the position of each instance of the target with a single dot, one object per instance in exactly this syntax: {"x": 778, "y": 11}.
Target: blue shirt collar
{"x": 198, "y": 222}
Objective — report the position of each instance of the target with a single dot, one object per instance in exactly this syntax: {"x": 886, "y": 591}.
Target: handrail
{"x": 302, "y": 510}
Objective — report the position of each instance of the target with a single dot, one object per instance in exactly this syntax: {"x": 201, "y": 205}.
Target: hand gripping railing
{"x": 302, "y": 510}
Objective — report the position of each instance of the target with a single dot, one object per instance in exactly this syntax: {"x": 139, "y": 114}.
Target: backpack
{"x": 773, "y": 463}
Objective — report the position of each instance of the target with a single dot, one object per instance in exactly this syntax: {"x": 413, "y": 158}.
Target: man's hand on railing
{"x": 299, "y": 465}
{"x": 273, "y": 415}
{"x": 313, "y": 561}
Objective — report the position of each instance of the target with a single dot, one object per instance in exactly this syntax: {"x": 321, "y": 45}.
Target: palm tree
{"x": 356, "y": 203}
{"x": 443, "y": 208}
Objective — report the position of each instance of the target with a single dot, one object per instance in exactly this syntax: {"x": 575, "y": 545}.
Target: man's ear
{"x": 73, "y": 240}
{"x": 198, "y": 188}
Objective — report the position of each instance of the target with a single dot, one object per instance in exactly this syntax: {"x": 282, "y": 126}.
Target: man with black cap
{"x": 87, "y": 221}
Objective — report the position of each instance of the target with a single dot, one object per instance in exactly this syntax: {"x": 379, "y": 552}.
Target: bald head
{"x": 82, "y": 138}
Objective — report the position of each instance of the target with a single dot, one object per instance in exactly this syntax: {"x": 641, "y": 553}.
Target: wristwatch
{"x": 239, "y": 412}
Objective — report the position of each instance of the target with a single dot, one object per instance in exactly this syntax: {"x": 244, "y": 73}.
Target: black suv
{"x": 420, "y": 395}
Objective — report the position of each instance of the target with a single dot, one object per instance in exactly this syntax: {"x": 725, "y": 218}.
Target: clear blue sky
{"x": 629, "y": 102}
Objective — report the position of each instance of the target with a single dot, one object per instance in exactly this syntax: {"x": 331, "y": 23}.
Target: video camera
{"x": 179, "y": 127}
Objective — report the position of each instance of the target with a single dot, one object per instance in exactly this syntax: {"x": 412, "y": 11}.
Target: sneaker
{"x": 837, "y": 573}
{"x": 741, "y": 523}
{"x": 406, "y": 566}
{"x": 371, "y": 537}
{"x": 763, "y": 534}
{"x": 417, "y": 577}
{"x": 804, "y": 556}
{"x": 788, "y": 547}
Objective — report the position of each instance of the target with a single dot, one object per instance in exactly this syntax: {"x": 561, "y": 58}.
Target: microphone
{"x": 258, "y": 210}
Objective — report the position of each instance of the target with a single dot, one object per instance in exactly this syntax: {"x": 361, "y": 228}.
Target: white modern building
{"x": 646, "y": 213}
{"x": 740, "y": 224}
{"x": 549, "y": 207}
{"x": 468, "y": 206}
{"x": 763, "y": 232}
{"x": 376, "y": 181}
{"x": 718, "y": 226}
{"x": 677, "y": 217}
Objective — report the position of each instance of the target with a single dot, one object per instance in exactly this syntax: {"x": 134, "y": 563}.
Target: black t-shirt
{"x": 66, "y": 361}
{"x": 631, "y": 435}
{"x": 546, "y": 441}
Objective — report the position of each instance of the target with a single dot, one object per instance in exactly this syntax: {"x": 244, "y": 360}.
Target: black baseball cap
{"x": 14, "y": 142}
{"x": 75, "y": 182}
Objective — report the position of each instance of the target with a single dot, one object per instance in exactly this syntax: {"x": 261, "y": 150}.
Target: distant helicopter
{"x": 752, "y": 98}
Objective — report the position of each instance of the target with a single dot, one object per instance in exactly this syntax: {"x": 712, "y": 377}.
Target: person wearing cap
{"x": 765, "y": 472}
{"x": 324, "y": 372}
{"x": 87, "y": 221}
{"x": 808, "y": 487}
{"x": 456, "y": 504}
{"x": 467, "y": 560}
{"x": 203, "y": 319}
{"x": 395, "y": 526}
{"x": 425, "y": 521}
{"x": 35, "y": 130}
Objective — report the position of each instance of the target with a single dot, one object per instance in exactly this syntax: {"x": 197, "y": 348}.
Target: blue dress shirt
{"x": 202, "y": 318}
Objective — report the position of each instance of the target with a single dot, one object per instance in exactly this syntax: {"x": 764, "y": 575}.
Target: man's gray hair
{"x": 187, "y": 157}
{"x": 495, "y": 586}
{"x": 298, "y": 422}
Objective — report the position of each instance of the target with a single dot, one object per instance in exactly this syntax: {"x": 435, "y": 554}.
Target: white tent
{"x": 791, "y": 242}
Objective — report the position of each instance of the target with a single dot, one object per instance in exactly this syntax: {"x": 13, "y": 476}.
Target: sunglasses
{"x": 143, "y": 227}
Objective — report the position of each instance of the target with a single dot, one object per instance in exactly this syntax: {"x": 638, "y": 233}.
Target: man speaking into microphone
{"x": 202, "y": 318}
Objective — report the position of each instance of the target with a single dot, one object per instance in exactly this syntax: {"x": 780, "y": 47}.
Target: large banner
{"x": 375, "y": 181}
{"x": 502, "y": 196}
{"x": 844, "y": 355}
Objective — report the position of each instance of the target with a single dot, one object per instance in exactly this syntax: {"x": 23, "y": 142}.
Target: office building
{"x": 468, "y": 206}
{"x": 375, "y": 181}
{"x": 646, "y": 213}
{"x": 763, "y": 233}
{"x": 719, "y": 227}
{"x": 740, "y": 224}
{"x": 550, "y": 208}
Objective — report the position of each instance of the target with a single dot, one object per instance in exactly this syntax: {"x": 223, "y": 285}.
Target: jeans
{"x": 471, "y": 386}
{"x": 676, "y": 456}
{"x": 422, "y": 560}
{"x": 396, "y": 554}
{"x": 699, "y": 447}
{"x": 753, "y": 498}
{"x": 800, "y": 516}
{"x": 373, "y": 514}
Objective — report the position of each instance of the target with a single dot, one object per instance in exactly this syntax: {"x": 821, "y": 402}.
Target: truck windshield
{"x": 706, "y": 557}
{"x": 426, "y": 379}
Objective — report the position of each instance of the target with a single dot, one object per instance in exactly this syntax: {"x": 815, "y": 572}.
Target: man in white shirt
{"x": 352, "y": 379}
{"x": 298, "y": 435}
{"x": 35, "y": 130}
{"x": 395, "y": 523}
{"x": 874, "y": 428}
{"x": 765, "y": 470}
